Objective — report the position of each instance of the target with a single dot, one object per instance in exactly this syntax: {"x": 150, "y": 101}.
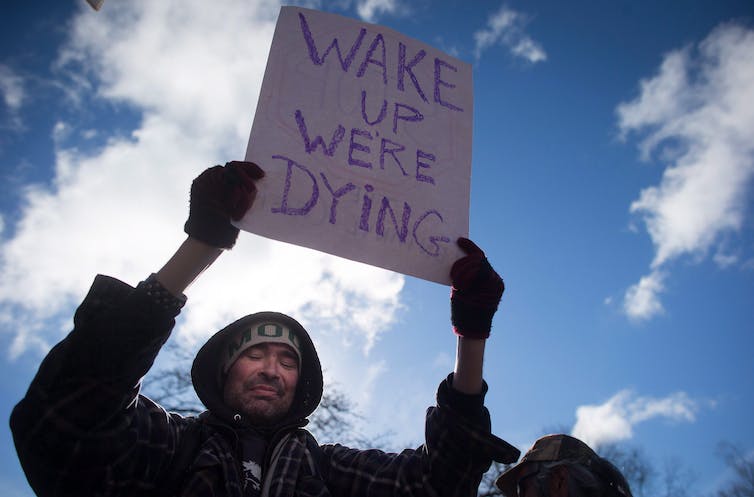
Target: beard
{"x": 259, "y": 409}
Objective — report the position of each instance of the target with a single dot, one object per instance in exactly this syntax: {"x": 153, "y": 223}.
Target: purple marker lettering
{"x": 413, "y": 117}
{"x": 316, "y": 59}
{"x": 369, "y": 60}
{"x": 354, "y": 145}
{"x": 403, "y": 68}
{"x": 336, "y": 195}
{"x": 435, "y": 251}
{"x": 284, "y": 208}
{"x": 439, "y": 82}
{"x": 403, "y": 231}
{"x": 384, "y": 150}
{"x": 311, "y": 146}
{"x": 420, "y": 154}
{"x": 366, "y": 209}
{"x": 383, "y": 110}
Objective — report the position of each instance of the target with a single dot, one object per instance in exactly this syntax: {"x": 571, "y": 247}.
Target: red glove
{"x": 475, "y": 294}
{"x": 219, "y": 194}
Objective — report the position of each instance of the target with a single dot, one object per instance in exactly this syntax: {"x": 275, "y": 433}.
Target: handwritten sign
{"x": 365, "y": 136}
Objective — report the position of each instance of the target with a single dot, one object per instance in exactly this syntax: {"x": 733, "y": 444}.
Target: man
{"x": 562, "y": 466}
{"x": 83, "y": 429}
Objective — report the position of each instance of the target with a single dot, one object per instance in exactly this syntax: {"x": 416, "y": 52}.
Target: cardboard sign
{"x": 365, "y": 136}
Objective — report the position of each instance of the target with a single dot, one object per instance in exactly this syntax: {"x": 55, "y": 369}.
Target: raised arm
{"x": 218, "y": 195}
{"x": 459, "y": 445}
{"x": 82, "y": 428}
{"x": 475, "y": 296}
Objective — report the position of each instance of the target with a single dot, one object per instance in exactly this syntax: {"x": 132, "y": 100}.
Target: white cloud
{"x": 615, "y": 420}
{"x": 641, "y": 300}
{"x": 89, "y": 134}
{"x": 369, "y": 10}
{"x": 506, "y": 28}
{"x": 194, "y": 69}
{"x": 198, "y": 65}
{"x": 11, "y": 88}
{"x": 60, "y": 132}
{"x": 12, "y": 94}
{"x": 725, "y": 260}
{"x": 371, "y": 375}
{"x": 697, "y": 113}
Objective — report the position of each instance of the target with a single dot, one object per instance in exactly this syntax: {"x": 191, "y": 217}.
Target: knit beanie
{"x": 259, "y": 332}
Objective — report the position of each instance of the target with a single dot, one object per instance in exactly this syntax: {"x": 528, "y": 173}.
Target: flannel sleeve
{"x": 458, "y": 450}
{"x": 83, "y": 428}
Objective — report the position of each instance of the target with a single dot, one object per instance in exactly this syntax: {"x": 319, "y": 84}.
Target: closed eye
{"x": 289, "y": 362}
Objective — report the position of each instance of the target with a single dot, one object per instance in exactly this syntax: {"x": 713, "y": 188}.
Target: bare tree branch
{"x": 487, "y": 487}
{"x": 635, "y": 466}
{"x": 742, "y": 465}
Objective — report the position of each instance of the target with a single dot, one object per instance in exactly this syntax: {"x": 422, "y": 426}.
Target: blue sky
{"x": 611, "y": 187}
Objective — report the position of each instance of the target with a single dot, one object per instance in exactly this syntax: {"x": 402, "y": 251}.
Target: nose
{"x": 270, "y": 368}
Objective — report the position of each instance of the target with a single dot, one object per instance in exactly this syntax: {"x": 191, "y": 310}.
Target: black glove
{"x": 218, "y": 195}
{"x": 475, "y": 294}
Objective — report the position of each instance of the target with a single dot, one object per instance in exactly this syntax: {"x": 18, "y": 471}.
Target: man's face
{"x": 261, "y": 383}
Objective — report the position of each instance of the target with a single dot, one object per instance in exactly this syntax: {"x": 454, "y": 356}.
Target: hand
{"x": 218, "y": 195}
{"x": 475, "y": 294}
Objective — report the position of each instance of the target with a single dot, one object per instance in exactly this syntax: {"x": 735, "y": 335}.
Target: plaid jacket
{"x": 83, "y": 429}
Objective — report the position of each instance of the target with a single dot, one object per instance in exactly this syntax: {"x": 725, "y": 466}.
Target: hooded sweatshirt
{"x": 256, "y": 443}
{"x": 83, "y": 429}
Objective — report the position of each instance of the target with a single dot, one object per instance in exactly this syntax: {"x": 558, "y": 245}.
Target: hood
{"x": 207, "y": 377}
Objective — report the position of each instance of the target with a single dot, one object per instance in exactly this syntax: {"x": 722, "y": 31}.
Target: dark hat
{"x": 258, "y": 332}
{"x": 207, "y": 370}
{"x": 547, "y": 449}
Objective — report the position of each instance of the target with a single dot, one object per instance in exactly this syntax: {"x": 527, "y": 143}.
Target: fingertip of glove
{"x": 468, "y": 246}
{"x": 256, "y": 171}
{"x": 251, "y": 169}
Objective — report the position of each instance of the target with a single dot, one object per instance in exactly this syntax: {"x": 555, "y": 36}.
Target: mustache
{"x": 269, "y": 382}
